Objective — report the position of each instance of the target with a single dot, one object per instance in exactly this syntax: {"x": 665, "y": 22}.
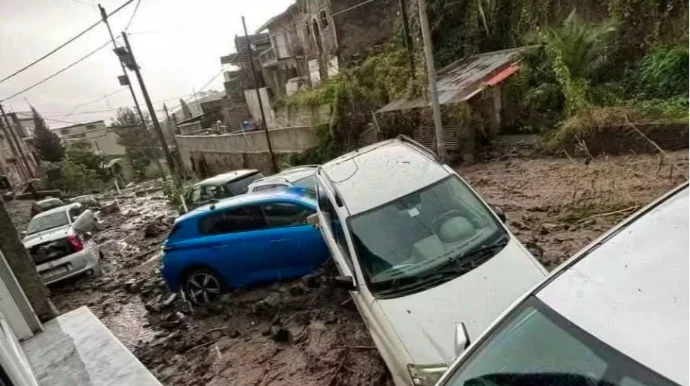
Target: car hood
{"x": 47, "y": 235}
{"x": 425, "y": 322}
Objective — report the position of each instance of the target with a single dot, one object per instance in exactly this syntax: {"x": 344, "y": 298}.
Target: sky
{"x": 177, "y": 43}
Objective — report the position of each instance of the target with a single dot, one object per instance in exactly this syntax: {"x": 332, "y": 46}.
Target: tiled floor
{"x": 76, "y": 349}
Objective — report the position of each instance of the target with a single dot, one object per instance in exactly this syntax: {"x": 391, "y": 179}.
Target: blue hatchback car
{"x": 243, "y": 240}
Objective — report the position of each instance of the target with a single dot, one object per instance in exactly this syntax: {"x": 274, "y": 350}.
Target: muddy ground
{"x": 304, "y": 332}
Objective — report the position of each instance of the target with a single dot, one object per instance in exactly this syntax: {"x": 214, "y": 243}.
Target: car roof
{"x": 291, "y": 176}
{"x": 227, "y": 177}
{"x": 631, "y": 290}
{"x": 291, "y": 194}
{"x": 58, "y": 209}
{"x": 382, "y": 172}
{"x": 48, "y": 199}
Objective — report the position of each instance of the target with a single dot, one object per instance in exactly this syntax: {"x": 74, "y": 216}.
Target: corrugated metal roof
{"x": 463, "y": 79}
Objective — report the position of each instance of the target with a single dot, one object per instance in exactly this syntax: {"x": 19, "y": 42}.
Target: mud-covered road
{"x": 305, "y": 332}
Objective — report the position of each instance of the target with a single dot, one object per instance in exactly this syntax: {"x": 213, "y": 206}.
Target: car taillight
{"x": 76, "y": 242}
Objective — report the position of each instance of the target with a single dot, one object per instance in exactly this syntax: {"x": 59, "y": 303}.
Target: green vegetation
{"x": 136, "y": 140}
{"x": 591, "y": 67}
{"x": 47, "y": 143}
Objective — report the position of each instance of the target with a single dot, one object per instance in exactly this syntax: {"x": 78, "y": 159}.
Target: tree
{"x": 81, "y": 153}
{"x": 47, "y": 143}
{"x": 582, "y": 46}
{"x": 134, "y": 137}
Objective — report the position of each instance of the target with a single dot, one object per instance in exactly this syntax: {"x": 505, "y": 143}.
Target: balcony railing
{"x": 268, "y": 57}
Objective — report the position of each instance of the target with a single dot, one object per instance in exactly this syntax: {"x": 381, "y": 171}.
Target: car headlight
{"x": 426, "y": 375}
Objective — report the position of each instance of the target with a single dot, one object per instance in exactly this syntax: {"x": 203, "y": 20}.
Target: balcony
{"x": 268, "y": 57}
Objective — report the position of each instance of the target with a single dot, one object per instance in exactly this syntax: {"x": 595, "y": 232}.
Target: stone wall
{"x": 215, "y": 154}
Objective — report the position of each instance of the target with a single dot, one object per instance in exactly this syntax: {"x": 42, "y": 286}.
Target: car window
{"x": 47, "y": 221}
{"x": 285, "y": 214}
{"x": 307, "y": 182}
{"x": 537, "y": 346}
{"x": 241, "y": 186}
{"x": 232, "y": 221}
{"x": 75, "y": 212}
{"x": 262, "y": 188}
{"x": 206, "y": 193}
{"x": 326, "y": 206}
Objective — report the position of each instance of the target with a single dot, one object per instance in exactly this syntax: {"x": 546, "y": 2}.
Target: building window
{"x": 64, "y": 132}
{"x": 324, "y": 19}
{"x": 90, "y": 127}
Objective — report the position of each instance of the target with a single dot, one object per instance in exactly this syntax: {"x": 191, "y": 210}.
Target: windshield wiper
{"x": 466, "y": 262}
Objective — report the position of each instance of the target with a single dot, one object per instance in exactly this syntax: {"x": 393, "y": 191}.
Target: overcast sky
{"x": 178, "y": 44}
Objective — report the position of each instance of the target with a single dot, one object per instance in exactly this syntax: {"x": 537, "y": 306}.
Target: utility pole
{"x": 152, "y": 112}
{"x": 15, "y": 146}
{"x": 408, "y": 38}
{"x": 258, "y": 96}
{"x": 180, "y": 163}
{"x": 431, "y": 72}
{"x": 104, "y": 16}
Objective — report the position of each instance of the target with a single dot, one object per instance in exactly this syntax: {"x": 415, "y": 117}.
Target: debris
{"x": 110, "y": 209}
{"x": 281, "y": 335}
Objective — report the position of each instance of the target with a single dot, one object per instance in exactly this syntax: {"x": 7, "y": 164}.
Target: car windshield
{"x": 205, "y": 193}
{"x": 435, "y": 234}
{"x": 307, "y": 182}
{"x": 536, "y": 346}
{"x": 241, "y": 186}
{"x": 47, "y": 221}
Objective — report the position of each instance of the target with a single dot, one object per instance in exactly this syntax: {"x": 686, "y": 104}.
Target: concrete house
{"x": 312, "y": 39}
{"x": 100, "y": 138}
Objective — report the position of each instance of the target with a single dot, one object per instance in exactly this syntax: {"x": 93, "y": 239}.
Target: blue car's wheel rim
{"x": 203, "y": 288}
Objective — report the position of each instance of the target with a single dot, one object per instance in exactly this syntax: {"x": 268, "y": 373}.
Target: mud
{"x": 305, "y": 332}
{"x": 557, "y": 206}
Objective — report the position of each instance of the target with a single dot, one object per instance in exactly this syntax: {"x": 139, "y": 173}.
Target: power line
{"x": 136, "y": 7}
{"x": 93, "y": 101}
{"x": 80, "y": 34}
{"x": 58, "y": 72}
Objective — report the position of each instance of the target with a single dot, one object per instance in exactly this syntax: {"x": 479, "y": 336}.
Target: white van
{"x": 426, "y": 260}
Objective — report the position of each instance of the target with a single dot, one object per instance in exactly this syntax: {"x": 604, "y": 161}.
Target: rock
{"x": 311, "y": 280}
{"x": 547, "y": 228}
{"x": 519, "y": 225}
{"x": 110, "y": 209}
{"x": 534, "y": 249}
{"x": 270, "y": 302}
{"x": 169, "y": 300}
{"x": 234, "y": 334}
{"x": 298, "y": 289}
{"x": 280, "y": 334}
{"x": 155, "y": 228}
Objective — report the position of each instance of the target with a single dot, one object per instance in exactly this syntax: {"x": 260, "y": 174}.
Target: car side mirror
{"x": 344, "y": 282}
{"x": 313, "y": 220}
{"x": 499, "y": 212}
{"x": 462, "y": 339}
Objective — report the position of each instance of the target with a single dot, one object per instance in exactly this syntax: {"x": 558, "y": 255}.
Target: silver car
{"x": 58, "y": 242}
{"x": 614, "y": 314}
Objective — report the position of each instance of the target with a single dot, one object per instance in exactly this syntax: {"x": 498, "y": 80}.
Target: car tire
{"x": 202, "y": 286}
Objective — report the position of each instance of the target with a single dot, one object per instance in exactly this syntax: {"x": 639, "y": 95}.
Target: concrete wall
{"x": 286, "y": 117}
{"x": 103, "y": 141}
{"x": 221, "y": 153}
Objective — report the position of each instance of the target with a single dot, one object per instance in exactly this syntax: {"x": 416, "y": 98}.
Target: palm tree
{"x": 583, "y": 46}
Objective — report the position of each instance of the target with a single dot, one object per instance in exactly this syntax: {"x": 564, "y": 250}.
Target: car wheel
{"x": 203, "y": 286}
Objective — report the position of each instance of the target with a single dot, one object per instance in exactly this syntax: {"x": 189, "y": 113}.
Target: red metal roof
{"x": 502, "y": 75}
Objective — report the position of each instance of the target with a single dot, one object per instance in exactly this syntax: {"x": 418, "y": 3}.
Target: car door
{"x": 334, "y": 230}
{"x": 296, "y": 245}
{"x": 240, "y": 241}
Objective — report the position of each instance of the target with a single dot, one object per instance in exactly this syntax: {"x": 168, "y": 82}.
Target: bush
{"x": 663, "y": 72}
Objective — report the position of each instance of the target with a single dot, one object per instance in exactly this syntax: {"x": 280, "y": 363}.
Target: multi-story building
{"x": 102, "y": 140}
